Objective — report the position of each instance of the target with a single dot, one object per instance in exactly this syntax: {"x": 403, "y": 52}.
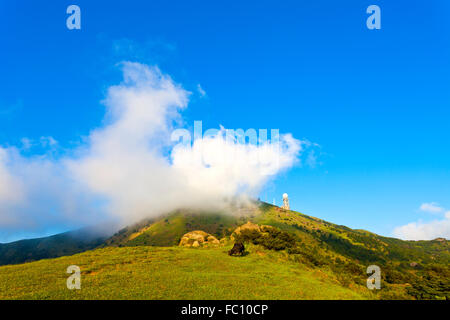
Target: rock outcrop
{"x": 197, "y": 239}
{"x": 249, "y": 226}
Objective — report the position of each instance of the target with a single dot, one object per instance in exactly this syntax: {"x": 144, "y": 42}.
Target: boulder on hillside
{"x": 198, "y": 238}
{"x": 249, "y": 226}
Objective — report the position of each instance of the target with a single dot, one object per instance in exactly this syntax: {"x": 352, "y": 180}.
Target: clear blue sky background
{"x": 376, "y": 101}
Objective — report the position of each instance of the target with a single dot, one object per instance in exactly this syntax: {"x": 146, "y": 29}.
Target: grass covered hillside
{"x": 410, "y": 269}
{"x": 291, "y": 256}
{"x": 173, "y": 273}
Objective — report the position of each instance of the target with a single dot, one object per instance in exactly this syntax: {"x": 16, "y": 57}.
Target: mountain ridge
{"x": 61, "y": 244}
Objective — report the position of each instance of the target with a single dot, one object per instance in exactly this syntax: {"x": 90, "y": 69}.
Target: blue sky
{"x": 376, "y": 101}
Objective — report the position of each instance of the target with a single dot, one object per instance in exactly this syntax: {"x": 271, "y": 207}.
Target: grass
{"x": 172, "y": 273}
{"x": 327, "y": 261}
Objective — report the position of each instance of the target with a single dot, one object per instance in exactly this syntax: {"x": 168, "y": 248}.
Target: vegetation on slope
{"x": 308, "y": 247}
{"x": 410, "y": 269}
{"x": 173, "y": 273}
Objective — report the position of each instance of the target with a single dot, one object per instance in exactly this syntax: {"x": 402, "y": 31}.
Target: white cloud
{"x": 10, "y": 186}
{"x": 230, "y": 168}
{"x": 201, "y": 91}
{"x": 129, "y": 168}
{"x": 431, "y": 207}
{"x": 426, "y": 230}
{"x": 26, "y": 143}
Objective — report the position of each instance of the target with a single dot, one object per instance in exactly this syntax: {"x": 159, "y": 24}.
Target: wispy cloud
{"x": 200, "y": 90}
{"x": 431, "y": 207}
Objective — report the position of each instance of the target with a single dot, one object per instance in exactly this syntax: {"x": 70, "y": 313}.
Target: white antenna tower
{"x": 285, "y": 201}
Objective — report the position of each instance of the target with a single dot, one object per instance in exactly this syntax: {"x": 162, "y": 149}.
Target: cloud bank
{"x": 426, "y": 230}
{"x": 129, "y": 168}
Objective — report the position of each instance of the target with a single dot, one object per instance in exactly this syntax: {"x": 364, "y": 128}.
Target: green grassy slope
{"x": 173, "y": 273}
{"x": 315, "y": 234}
{"x": 410, "y": 269}
{"x": 317, "y": 259}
